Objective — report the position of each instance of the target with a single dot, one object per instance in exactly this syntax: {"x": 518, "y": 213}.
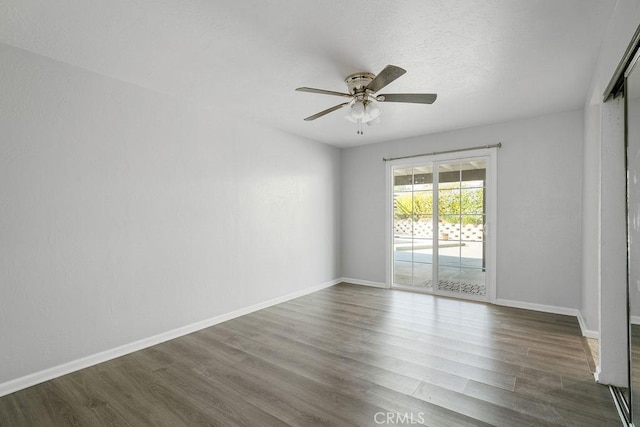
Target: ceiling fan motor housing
{"x": 357, "y": 82}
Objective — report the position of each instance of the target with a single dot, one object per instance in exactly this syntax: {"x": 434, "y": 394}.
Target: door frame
{"x": 490, "y": 155}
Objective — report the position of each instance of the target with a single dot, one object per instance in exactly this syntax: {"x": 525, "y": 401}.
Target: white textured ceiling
{"x": 488, "y": 60}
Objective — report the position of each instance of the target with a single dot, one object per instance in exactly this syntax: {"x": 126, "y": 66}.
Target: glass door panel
{"x": 403, "y": 226}
{"x": 413, "y": 226}
{"x": 461, "y": 223}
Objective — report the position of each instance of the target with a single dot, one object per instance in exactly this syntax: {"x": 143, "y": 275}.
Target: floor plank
{"x": 341, "y": 356}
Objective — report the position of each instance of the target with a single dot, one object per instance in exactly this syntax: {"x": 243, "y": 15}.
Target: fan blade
{"x": 386, "y": 76}
{"x": 327, "y": 111}
{"x": 415, "y": 98}
{"x": 322, "y": 91}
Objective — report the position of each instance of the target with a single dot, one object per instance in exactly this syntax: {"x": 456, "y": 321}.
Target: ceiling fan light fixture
{"x": 363, "y": 111}
{"x": 371, "y": 111}
{"x": 357, "y": 110}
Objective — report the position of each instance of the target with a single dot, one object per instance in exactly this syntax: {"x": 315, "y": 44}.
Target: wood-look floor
{"x": 339, "y": 357}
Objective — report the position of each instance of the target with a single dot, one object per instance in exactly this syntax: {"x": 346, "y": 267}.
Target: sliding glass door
{"x": 461, "y": 224}
{"x": 441, "y": 208}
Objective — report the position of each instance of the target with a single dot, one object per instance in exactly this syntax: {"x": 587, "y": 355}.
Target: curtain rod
{"x": 498, "y": 145}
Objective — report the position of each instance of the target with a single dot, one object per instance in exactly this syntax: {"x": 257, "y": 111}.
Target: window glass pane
{"x": 472, "y": 229}
{"x": 449, "y": 227}
{"x": 423, "y": 203}
{"x": 422, "y": 178}
{"x": 473, "y": 173}
{"x": 449, "y": 173}
{"x": 472, "y": 201}
{"x": 403, "y": 272}
{"x": 472, "y": 254}
{"x": 423, "y": 227}
{"x": 422, "y": 274}
{"x": 470, "y": 281}
{"x": 403, "y": 205}
{"x": 449, "y": 201}
{"x": 423, "y": 251}
{"x": 402, "y": 179}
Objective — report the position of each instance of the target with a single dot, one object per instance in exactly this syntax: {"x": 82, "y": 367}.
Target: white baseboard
{"x": 552, "y": 309}
{"x": 635, "y": 320}
{"x": 538, "y": 307}
{"x": 583, "y": 327}
{"x": 85, "y": 362}
{"x": 364, "y": 282}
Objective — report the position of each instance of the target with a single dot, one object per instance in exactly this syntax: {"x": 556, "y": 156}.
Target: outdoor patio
{"x": 460, "y": 256}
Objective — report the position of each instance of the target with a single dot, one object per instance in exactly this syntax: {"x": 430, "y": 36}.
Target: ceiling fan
{"x": 363, "y": 101}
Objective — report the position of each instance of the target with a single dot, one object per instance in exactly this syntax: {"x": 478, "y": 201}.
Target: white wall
{"x": 125, "y": 213}
{"x": 539, "y": 205}
{"x": 590, "y": 287}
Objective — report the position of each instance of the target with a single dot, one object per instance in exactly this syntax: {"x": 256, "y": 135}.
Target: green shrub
{"x": 452, "y": 202}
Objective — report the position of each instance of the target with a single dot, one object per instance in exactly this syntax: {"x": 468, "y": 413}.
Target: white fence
{"x": 424, "y": 229}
